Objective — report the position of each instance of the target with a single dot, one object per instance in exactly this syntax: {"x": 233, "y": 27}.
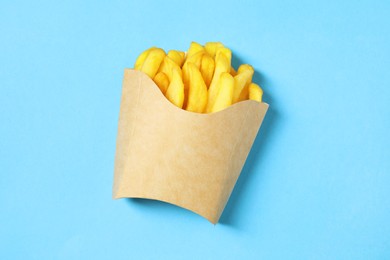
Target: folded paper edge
{"x": 208, "y": 218}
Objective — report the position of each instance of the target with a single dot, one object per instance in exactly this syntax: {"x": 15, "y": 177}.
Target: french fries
{"x": 194, "y": 48}
{"x": 202, "y": 80}
{"x": 177, "y": 56}
{"x": 224, "y": 97}
{"x": 141, "y": 59}
{"x": 175, "y": 91}
{"x": 207, "y": 67}
{"x": 222, "y": 64}
{"x": 162, "y": 81}
{"x": 150, "y": 62}
{"x": 211, "y": 47}
{"x": 255, "y": 92}
{"x": 197, "y": 90}
{"x": 241, "y": 82}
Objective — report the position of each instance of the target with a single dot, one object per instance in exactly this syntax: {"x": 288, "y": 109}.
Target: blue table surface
{"x": 316, "y": 184}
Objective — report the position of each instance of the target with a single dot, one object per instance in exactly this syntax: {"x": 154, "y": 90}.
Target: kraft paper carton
{"x": 187, "y": 159}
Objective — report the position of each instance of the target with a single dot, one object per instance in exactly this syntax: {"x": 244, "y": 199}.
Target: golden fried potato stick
{"x": 207, "y": 67}
{"x": 225, "y": 93}
{"x": 186, "y": 79}
{"x": 168, "y": 66}
{"x": 194, "y": 48}
{"x": 225, "y": 51}
{"x": 141, "y": 58}
{"x": 162, "y": 81}
{"x": 241, "y": 82}
{"x": 244, "y": 67}
{"x": 175, "y": 91}
{"x": 196, "y": 58}
{"x": 222, "y": 64}
{"x": 152, "y": 62}
{"x": 197, "y": 90}
{"x": 255, "y": 92}
{"x": 211, "y": 47}
{"x": 177, "y": 56}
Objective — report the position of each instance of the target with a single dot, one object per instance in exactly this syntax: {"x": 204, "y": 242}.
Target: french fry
{"x": 226, "y": 51}
{"x": 168, "y": 66}
{"x": 241, "y": 82}
{"x": 244, "y": 67}
{"x": 175, "y": 91}
{"x": 141, "y": 58}
{"x": 211, "y": 48}
{"x": 222, "y": 64}
{"x": 194, "y": 48}
{"x": 207, "y": 68}
{"x": 255, "y": 92}
{"x": 186, "y": 80}
{"x": 196, "y": 58}
{"x": 197, "y": 90}
{"x": 225, "y": 93}
{"x": 152, "y": 62}
{"x": 177, "y": 56}
{"x": 162, "y": 81}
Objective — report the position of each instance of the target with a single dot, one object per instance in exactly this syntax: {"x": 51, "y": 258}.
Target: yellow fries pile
{"x": 201, "y": 80}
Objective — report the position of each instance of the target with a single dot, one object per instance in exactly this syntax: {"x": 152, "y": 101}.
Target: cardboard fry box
{"x": 187, "y": 159}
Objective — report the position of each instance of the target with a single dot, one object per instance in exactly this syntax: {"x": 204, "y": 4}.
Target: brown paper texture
{"x": 188, "y": 159}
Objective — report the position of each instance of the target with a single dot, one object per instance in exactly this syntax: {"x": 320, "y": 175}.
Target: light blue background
{"x": 317, "y": 181}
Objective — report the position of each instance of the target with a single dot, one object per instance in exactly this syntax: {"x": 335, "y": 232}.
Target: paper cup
{"x": 187, "y": 159}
